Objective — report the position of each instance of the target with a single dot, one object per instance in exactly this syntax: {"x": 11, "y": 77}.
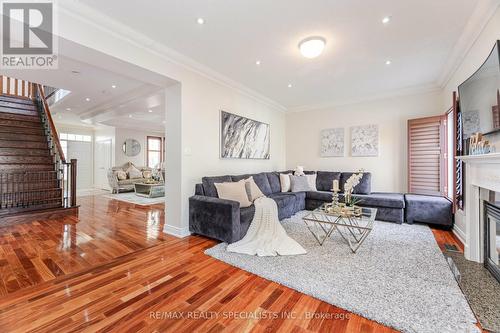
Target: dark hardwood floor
{"x": 114, "y": 271}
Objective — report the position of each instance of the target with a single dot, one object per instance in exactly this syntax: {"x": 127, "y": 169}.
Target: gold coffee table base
{"x": 353, "y": 229}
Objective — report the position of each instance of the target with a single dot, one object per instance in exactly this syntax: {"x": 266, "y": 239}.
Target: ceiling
{"x": 418, "y": 41}
{"x": 132, "y": 103}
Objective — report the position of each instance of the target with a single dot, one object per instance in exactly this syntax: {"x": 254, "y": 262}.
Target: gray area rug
{"x": 398, "y": 277}
{"x": 481, "y": 289}
{"x": 131, "y": 197}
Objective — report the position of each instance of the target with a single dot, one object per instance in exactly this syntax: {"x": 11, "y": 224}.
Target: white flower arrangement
{"x": 350, "y": 184}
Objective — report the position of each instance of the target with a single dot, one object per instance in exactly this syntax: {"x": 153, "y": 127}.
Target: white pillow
{"x": 285, "y": 182}
{"x": 235, "y": 191}
{"x": 311, "y": 179}
{"x": 252, "y": 189}
{"x": 133, "y": 172}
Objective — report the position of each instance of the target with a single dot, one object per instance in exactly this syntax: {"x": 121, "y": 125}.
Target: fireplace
{"x": 492, "y": 237}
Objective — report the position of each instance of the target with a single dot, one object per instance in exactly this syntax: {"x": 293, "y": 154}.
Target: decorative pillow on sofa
{"x": 133, "y": 172}
{"x": 252, "y": 189}
{"x": 299, "y": 183}
{"x": 311, "y": 178}
{"x": 285, "y": 182}
{"x": 120, "y": 174}
{"x": 235, "y": 191}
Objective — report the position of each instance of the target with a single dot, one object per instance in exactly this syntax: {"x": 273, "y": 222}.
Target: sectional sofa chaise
{"x": 226, "y": 221}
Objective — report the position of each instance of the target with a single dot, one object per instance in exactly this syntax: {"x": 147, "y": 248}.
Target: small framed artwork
{"x": 364, "y": 140}
{"x": 332, "y": 142}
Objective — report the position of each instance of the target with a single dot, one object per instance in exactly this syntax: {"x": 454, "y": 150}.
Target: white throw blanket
{"x": 266, "y": 236}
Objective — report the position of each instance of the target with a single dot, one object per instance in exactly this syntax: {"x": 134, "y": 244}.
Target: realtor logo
{"x": 28, "y": 40}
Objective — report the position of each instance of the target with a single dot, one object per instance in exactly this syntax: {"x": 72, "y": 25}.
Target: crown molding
{"x": 480, "y": 17}
{"x": 410, "y": 91}
{"x": 90, "y": 16}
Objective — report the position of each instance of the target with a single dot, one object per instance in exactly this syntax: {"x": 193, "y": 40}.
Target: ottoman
{"x": 428, "y": 209}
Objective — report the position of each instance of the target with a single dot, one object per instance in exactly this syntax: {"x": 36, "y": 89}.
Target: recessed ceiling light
{"x": 290, "y": 85}
{"x": 312, "y": 47}
{"x": 113, "y": 86}
{"x": 200, "y": 20}
{"x": 386, "y": 20}
{"x": 150, "y": 111}
{"x": 87, "y": 99}
{"x": 68, "y": 109}
{"x": 388, "y": 62}
{"x": 257, "y": 62}
{"x": 130, "y": 116}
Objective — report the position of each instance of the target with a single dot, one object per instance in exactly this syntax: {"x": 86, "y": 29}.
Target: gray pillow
{"x": 299, "y": 184}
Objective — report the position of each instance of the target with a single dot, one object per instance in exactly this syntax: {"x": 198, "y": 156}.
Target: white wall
{"x": 472, "y": 61}
{"x": 121, "y": 134}
{"x": 389, "y": 169}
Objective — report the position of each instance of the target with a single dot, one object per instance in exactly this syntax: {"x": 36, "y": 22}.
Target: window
{"x": 155, "y": 154}
{"x": 427, "y": 149}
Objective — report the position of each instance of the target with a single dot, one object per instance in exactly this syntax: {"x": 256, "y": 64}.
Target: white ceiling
{"x": 418, "y": 40}
{"x": 125, "y": 106}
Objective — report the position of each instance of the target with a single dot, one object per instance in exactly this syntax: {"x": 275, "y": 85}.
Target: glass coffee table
{"x": 354, "y": 228}
{"x": 150, "y": 190}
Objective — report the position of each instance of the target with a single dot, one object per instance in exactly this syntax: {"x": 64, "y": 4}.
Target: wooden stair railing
{"x": 67, "y": 169}
{"x": 35, "y": 176}
{"x": 14, "y": 87}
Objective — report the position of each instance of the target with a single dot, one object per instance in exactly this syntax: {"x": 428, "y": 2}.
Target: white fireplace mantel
{"x": 481, "y": 172}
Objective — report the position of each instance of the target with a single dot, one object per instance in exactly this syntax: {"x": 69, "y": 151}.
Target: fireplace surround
{"x": 492, "y": 238}
{"x": 482, "y": 175}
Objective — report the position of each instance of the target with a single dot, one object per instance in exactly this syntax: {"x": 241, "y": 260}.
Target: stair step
{"x": 16, "y": 105}
{"x": 19, "y": 111}
{"x": 14, "y": 99}
{"x": 34, "y": 193}
{"x": 29, "y": 186}
{"x": 23, "y": 144}
{"x": 22, "y": 130}
{"x": 20, "y": 117}
{"x": 23, "y": 137}
{"x": 24, "y": 152}
{"x": 13, "y": 213}
{"x": 26, "y": 167}
{"x": 19, "y": 123}
{"x": 26, "y": 159}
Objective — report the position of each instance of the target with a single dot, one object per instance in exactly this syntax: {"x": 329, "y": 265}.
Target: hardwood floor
{"x": 39, "y": 251}
{"x": 115, "y": 271}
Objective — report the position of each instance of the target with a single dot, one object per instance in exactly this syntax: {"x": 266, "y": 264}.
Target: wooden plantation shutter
{"x": 427, "y": 155}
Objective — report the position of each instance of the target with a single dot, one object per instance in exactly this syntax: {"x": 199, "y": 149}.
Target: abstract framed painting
{"x": 243, "y": 138}
{"x": 332, "y": 142}
{"x": 364, "y": 140}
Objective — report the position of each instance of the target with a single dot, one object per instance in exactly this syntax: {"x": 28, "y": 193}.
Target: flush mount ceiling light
{"x": 290, "y": 85}
{"x": 386, "y": 20}
{"x": 388, "y": 62}
{"x": 87, "y": 99}
{"x": 312, "y": 47}
{"x": 150, "y": 111}
{"x": 68, "y": 109}
{"x": 200, "y": 20}
{"x": 257, "y": 62}
{"x": 113, "y": 86}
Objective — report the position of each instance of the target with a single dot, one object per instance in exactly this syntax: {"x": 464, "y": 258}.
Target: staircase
{"x": 33, "y": 171}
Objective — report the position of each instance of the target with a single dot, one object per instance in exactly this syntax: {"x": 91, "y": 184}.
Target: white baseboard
{"x": 176, "y": 231}
{"x": 460, "y": 234}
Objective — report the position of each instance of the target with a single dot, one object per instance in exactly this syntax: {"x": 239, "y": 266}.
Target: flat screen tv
{"x": 480, "y": 97}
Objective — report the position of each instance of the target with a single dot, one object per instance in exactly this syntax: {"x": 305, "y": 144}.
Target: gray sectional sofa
{"x": 226, "y": 221}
